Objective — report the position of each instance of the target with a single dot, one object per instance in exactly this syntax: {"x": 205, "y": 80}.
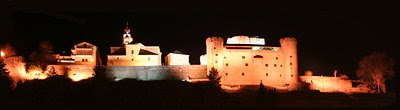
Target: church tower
{"x": 127, "y": 38}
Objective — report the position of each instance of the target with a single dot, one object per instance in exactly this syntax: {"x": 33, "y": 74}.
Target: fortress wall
{"x": 165, "y": 72}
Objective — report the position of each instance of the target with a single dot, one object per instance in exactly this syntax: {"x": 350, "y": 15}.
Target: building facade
{"x": 246, "y": 61}
{"x": 177, "y": 58}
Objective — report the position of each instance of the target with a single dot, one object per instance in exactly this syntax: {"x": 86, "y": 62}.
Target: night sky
{"x": 330, "y": 35}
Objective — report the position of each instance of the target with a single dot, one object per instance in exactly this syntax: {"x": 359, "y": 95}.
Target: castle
{"x": 241, "y": 61}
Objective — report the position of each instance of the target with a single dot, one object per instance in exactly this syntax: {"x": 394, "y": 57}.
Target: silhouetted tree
{"x": 214, "y": 77}
{"x": 374, "y": 69}
{"x": 5, "y": 80}
{"x": 44, "y": 55}
{"x": 100, "y": 72}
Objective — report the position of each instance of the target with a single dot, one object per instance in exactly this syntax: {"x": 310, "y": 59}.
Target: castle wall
{"x": 147, "y": 73}
{"x": 289, "y": 52}
{"x": 327, "y": 84}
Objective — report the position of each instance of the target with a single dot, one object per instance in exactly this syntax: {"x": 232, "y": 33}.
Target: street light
{"x": 2, "y": 54}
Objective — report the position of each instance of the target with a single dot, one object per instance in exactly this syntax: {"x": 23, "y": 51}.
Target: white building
{"x": 177, "y": 58}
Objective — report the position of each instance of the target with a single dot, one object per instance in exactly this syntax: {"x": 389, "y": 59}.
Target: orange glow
{"x": 77, "y": 75}
{"x": 35, "y": 72}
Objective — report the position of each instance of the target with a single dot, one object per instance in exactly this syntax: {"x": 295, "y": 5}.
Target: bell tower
{"x": 127, "y": 38}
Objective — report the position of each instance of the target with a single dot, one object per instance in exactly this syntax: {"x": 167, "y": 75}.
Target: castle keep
{"x": 246, "y": 61}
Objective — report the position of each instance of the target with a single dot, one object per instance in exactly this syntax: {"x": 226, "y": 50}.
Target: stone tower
{"x": 215, "y": 46}
{"x": 289, "y": 51}
{"x": 127, "y": 38}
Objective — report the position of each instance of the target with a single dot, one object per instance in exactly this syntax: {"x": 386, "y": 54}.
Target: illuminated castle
{"x": 246, "y": 61}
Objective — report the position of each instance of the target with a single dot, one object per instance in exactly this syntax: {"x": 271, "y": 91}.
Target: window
{"x": 258, "y": 56}
{"x": 243, "y": 57}
{"x": 83, "y": 60}
{"x": 132, "y": 59}
{"x": 226, "y": 64}
{"x": 280, "y": 75}
{"x": 226, "y": 74}
{"x": 224, "y": 57}
{"x": 281, "y": 65}
{"x": 216, "y": 61}
{"x": 274, "y": 65}
{"x": 215, "y": 48}
{"x": 246, "y": 64}
{"x": 290, "y": 56}
{"x": 276, "y": 58}
{"x": 291, "y": 75}
{"x": 117, "y": 58}
{"x": 132, "y": 52}
{"x": 216, "y": 54}
{"x": 290, "y": 63}
{"x": 266, "y": 74}
{"x": 266, "y": 65}
{"x": 242, "y": 74}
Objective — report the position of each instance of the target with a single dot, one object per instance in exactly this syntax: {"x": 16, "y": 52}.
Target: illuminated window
{"x": 266, "y": 65}
{"x": 274, "y": 65}
{"x": 281, "y": 65}
{"x": 276, "y": 58}
{"x": 216, "y": 54}
{"x": 243, "y": 57}
{"x": 266, "y": 74}
{"x": 226, "y": 74}
{"x": 226, "y": 64}
{"x": 246, "y": 64}
{"x": 242, "y": 74}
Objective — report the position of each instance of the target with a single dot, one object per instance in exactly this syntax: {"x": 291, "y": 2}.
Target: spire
{"x": 126, "y": 38}
{"x": 127, "y": 30}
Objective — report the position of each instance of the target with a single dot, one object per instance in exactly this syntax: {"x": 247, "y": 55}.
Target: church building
{"x": 133, "y": 54}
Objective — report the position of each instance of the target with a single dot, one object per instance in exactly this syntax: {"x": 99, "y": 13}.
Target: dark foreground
{"x": 61, "y": 93}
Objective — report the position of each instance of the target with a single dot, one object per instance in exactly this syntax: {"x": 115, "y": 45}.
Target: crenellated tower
{"x": 289, "y": 51}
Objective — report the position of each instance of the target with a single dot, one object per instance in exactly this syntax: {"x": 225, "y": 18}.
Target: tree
{"x": 51, "y": 72}
{"x": 5, "y": 80}
{"x": 44, "y": 55}
{"x": 213, "y": 77}
{"x": 100, "y": 72}
{"x": 374, "y": 69}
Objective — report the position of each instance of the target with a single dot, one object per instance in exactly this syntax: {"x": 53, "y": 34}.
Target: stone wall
{"x": 165, "y": 72}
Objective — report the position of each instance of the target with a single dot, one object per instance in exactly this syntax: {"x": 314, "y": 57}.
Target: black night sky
{"x": 330, "y": 35}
